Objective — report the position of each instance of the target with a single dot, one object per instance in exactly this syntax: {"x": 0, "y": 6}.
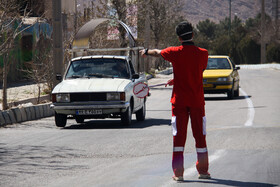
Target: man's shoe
{"x": 204, "y": 176}
{"x": 178, "y": 179}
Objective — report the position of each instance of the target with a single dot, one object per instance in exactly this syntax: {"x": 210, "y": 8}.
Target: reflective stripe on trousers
{"x": 178, "y": 149}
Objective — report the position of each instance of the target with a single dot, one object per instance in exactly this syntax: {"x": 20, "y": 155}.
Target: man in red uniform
{"x": 187, "y": 99}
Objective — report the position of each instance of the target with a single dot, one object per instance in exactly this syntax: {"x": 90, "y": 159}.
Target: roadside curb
{"x": 27, "y": 113}
{"x": 260, "y": 66}
{"x": 167, "y": 71}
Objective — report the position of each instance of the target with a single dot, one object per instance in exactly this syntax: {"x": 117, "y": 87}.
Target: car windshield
{"x": 218, "y": 63}
{"x": 100, "y": 68}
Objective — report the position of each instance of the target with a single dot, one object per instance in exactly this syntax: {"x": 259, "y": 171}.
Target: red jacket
{"x": 188, "y": 62}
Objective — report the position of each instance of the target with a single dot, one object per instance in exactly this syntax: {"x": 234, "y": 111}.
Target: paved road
{"x": 243, "y": 142}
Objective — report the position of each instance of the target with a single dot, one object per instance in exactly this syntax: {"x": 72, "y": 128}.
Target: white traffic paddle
{"x": 141, "y": 89}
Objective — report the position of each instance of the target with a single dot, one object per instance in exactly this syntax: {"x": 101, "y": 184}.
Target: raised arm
{"x": 151, "y": 52}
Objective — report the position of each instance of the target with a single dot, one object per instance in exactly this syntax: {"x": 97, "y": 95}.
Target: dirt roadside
{"x": 22, "y": 92}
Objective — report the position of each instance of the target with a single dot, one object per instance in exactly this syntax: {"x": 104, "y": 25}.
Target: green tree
{"x": 225, "y": 42}
{"x": 273, "y": 52}
{"x": 253, "y": 27}
{"x": 202, "y": 40}
{"x": 207, "y": 28}
{"x": 249, "y": 50}
{"x": 222, "y": 27}
{"x": 236, "y": 23}
{"x": 238, "y": 32}
{"x": 222, "y": 45}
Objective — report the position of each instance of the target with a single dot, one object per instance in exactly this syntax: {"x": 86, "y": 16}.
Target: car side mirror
{"x": 58, "y": 77}
{"x": 237, "y": 68}
{"x": 135, "y": 76}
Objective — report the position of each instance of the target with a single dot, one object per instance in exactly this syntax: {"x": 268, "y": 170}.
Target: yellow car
{"x": 221, "y": 76}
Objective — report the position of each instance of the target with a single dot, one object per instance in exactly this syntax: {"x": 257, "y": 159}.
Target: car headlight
{"x": 113, "y": 96}
{"x": 223, "y": 79}
{"x": 63, "y": 98}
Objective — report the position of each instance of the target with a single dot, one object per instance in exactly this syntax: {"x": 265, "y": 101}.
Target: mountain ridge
{"x": 217, "y": 10}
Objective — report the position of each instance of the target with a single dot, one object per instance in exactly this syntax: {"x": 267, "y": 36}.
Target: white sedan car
{"x": 98, "y": 87}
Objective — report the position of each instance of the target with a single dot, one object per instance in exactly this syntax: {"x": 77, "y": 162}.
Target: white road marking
{"x": 251, "y": 110}
{"x": 192, "y": 170}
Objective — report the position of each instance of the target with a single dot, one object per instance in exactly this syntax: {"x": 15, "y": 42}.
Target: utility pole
{"x": 57, "y": 40}
{"x": 147, "y": 36}
{"x": 229, "y": 24}
{"x": 263, "y": 45}
{"x": 276, "y": 19}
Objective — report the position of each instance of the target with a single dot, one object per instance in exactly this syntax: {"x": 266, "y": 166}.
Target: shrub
{"x": 273, "y": 53}
{"x": 250, "y": 51}
{"x": 222, "y": 45}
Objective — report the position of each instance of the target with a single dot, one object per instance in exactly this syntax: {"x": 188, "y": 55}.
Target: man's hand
{"x": 142, "y": 52}
{"x": 170, "y": 82}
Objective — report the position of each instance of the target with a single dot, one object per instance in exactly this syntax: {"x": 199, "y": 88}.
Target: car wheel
{"x": 126, "y": 116}
{"x": 230, "y": 93}
{"x": 141, "y": 114}
{"x": 79, "y": 119}
{"x": 236, "y": 92}
{"x": 60, "y": 119}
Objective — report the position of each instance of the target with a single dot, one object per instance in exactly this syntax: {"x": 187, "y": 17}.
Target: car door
{"x": 235, "y": 74}
{"x": 137, "y": 101}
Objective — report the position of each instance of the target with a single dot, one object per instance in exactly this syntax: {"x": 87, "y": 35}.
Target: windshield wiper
{"x": 99, "y": 75}
{"x": 75, "y": 76}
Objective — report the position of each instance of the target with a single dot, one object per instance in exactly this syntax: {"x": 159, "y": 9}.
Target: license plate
{"x": 89, "y": 112}
{"x": 208, "y": 85}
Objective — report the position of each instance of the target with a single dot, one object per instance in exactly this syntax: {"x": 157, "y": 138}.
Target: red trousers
{"x": 180, "y": 118}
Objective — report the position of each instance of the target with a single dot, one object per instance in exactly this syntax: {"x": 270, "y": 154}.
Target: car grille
{"x": 87, "y": 97}
{"x": 209, "y": 80}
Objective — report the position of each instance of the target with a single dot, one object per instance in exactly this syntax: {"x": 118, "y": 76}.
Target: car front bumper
{"x": 217, "y": 87}
{"x": 105, "y": 107}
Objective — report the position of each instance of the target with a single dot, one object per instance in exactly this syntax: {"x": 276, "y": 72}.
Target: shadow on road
{"x": 224, "y": 98}
{"x": 116, "y": 124}
{"x": 216, "y": 181}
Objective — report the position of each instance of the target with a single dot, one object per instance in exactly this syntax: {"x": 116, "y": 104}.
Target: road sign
{"x": 141, "y": 90}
